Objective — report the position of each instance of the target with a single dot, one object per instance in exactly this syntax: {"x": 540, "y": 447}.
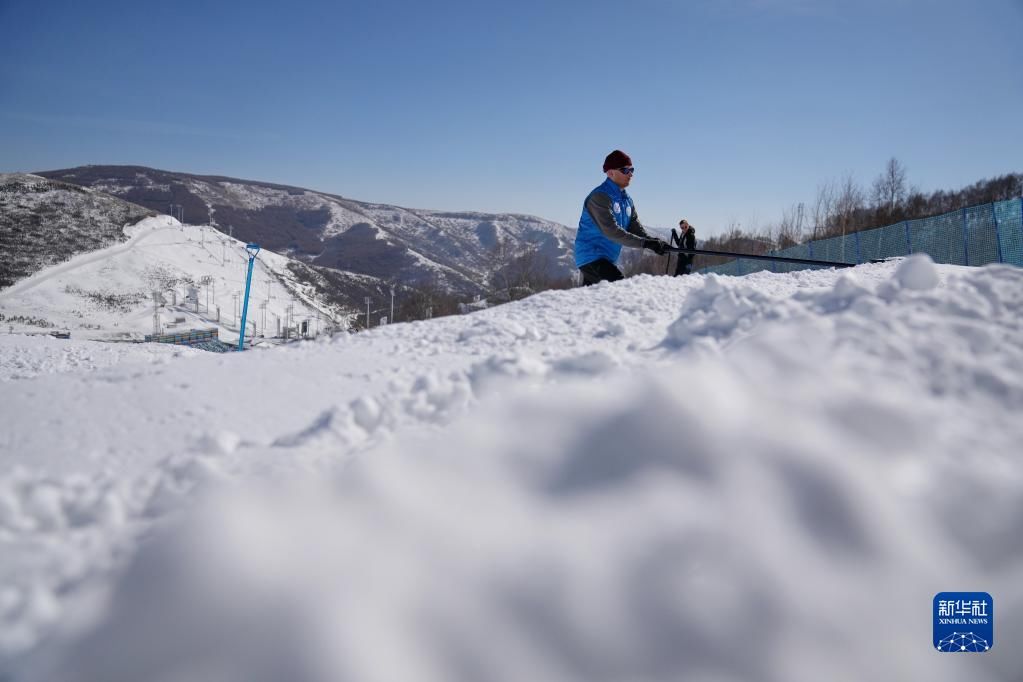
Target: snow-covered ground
{"x": 108, "y": 293}
{"x": 700, "y": 478}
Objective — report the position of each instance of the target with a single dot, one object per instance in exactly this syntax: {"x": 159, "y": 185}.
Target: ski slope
{"x": 702, "y": 478}
{"x": 108, "y": 294}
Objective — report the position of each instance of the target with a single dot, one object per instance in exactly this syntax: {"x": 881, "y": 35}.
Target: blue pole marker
{"x": 253, "y": 249}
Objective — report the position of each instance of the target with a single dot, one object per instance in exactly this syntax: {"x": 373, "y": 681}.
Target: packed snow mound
{"x": 49, "y": 355}
{"x": 706, "y": 478}
{"x": 150, "y": 224}
{"x": 917, "y": 272}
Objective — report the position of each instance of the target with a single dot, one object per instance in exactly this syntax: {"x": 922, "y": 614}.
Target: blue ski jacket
{"x": 607, "y": 223}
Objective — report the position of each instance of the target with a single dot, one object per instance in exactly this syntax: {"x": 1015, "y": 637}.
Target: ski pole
{"x": 674, "y": 240}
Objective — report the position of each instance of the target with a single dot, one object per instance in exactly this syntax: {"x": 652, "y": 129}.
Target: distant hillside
{"x": 44, "y": 222}
{"x": 400, "y": 246}
{"x": 199, "y": 277}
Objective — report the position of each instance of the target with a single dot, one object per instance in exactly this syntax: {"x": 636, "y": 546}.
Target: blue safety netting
{"x": 1009, "y": 216}
{"x": 978, "y": 235}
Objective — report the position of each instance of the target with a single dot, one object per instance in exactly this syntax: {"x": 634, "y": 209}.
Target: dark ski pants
{"x": 601, "y": 270}
{"x": 684, "y": 264}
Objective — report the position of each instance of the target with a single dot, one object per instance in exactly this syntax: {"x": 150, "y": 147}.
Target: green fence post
{"x": 909, "y": 242}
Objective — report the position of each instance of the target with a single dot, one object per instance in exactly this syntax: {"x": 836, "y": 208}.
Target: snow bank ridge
{"x": 729, "y": 502}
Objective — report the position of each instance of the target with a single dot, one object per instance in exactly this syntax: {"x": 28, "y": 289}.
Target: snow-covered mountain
{"x": 78, "y": 259}
{"x": 167, "y": 277}
{"x": 454, "y": 251}
{"x": 764, "y": 478}
{"x": 44, "y": 222}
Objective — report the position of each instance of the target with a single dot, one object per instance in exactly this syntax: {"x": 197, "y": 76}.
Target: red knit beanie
{"x": 616, "y": 159}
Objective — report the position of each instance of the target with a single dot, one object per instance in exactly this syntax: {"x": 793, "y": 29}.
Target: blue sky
{"x": 732, "y": 110}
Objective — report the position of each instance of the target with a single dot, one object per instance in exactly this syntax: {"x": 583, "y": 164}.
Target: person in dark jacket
{"x": 687, "y": 239}
{"x": 608, "y": 222}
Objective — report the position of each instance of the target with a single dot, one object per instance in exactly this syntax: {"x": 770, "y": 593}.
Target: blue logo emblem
{"x": 964, "y": 622}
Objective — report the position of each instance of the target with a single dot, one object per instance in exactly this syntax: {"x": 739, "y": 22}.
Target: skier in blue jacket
{"x": 608, "y": 222}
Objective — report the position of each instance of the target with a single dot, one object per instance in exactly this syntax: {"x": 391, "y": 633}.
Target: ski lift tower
{"x": 253, "y": 249}
{"x": 206, "y": 281}
{"x": 157, "y": 302}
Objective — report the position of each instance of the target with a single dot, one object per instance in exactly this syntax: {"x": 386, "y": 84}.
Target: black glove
{"x": 658, "y": 246}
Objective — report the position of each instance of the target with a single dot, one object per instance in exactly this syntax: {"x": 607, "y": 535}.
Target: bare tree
{"x": 497, "y": 261}
{"x": 515, "y": 274}
{"x": 735, "y": 240}
{"x": 424, "y": 300}
{"x": 789, "y": 231}
{"x": 890, "y": 191}
{"x": 849, "y": 206}
{"x": 641, "y": 262}
{"x": 823, "y": 209}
